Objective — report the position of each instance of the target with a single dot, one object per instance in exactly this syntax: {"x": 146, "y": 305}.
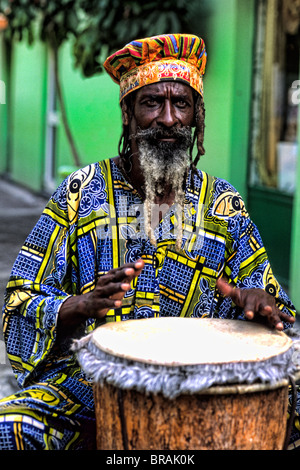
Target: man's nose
{"x": 167, "y": 116}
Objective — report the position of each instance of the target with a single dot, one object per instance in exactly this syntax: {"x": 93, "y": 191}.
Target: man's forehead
{"x": 160, "y": 88}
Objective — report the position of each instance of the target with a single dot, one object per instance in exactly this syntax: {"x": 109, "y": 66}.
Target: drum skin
{"x": 130, "y": 420}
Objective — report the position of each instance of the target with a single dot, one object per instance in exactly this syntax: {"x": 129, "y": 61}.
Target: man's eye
{"x": 181, "y": 103}
{"x": 151, "y": 102}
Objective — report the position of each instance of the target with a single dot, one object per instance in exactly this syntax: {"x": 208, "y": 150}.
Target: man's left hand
{"x": 256, "y": 302}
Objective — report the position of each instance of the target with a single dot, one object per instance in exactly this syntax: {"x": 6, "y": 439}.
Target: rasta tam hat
{"x": 179, "y": 57}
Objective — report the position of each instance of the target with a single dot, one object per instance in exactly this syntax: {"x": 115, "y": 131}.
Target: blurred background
{"x": 59, "y": 110}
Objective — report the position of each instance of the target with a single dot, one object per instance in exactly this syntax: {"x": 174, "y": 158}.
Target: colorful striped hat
{"x": 180, "y": 57}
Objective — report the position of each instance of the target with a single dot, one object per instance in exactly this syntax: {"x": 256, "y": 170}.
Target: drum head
{"x": 176, "y": 341}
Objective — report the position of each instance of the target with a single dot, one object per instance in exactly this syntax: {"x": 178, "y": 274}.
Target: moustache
{"x": 183, "y": 134}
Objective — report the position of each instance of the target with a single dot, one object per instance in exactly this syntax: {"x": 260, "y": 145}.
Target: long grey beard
{"x": 163, "y": 164}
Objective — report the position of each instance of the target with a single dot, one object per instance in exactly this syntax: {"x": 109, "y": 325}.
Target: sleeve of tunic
{"x": 246, "y": 261}
{"x": 42, "y": 278}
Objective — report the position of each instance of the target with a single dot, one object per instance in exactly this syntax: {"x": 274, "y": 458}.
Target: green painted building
{"x": 251, "y": 120}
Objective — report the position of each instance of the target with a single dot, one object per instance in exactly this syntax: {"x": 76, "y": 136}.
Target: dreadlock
{"x": 199, "y": 132}
{"x": 124, "y": 146}
{"x": 198, "y": 137}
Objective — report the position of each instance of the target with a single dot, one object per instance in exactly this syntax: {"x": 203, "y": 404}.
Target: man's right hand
{"x": 108, "y": 294}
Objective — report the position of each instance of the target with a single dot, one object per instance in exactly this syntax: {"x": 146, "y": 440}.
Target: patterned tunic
{"x": 93, "y": 223}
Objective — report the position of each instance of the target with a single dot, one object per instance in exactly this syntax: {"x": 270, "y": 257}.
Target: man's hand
{"x": 108, "y": 294}
{"x": 255, "y": 302}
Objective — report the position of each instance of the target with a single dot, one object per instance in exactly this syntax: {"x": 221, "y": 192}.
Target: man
{"x": 136, "y": 236}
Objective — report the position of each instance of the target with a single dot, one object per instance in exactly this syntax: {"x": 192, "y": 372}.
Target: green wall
{"x": 21, "y": 146}
{"x": 295, "y": 239}
{"x": 94, "y": 114}
{"x": 3, "y": 112}
{"x": 228, "y": 30}
{"x": 28, "y": 84}
{"x": 267, "y": 206}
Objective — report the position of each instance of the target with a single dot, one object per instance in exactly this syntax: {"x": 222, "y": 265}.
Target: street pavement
{"x": 19, "y": 211}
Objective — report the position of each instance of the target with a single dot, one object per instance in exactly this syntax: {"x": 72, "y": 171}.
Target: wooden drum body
{"x": 185, "y": 383}
{"x": 245, "y": 420}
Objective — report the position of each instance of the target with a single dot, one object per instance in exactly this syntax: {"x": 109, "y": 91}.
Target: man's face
{"x": 164, "y": 106}
{"x": 160, "y": 133}
{"x": 161, "y": 136}
{"x": 160, "y": 128}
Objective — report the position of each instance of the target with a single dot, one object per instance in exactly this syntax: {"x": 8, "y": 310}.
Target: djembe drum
{"x": 186, "y": 383}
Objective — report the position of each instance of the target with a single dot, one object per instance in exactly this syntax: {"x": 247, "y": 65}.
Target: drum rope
{"x": 123, "y": 420}
{"x": 292, "y": 411}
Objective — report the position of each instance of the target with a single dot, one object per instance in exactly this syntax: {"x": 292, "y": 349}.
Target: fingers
{"x": 229, "y": 291}
{"x": 277, "y": 317}
{"x": 288, "y": 318}
{"x": 267, "y": 308}
{"x": 111, "y": 288}
{"x": 256, "y": 302}
{"x": 125, "y": 273}
{"x": 136, "y": 266}
{"x": 224, "y": 288}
